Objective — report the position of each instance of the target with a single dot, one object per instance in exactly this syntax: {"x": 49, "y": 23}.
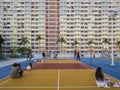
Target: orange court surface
{"x": 55, "y": 75}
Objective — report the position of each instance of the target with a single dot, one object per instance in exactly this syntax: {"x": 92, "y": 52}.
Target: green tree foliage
{"x": 24, "y": 40}
{"x": 118, "y": 44}
{"x": 61, "y": 41}
{"x": 39, "y": 38}
{"x": 75, "y": 43}
{"x": 90, "y": 42}
{"x": 105, "y": 42}
{"x": 1, "y": 41}
{"x": 23, "y": 50}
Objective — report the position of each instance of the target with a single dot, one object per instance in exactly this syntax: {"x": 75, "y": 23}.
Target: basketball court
{"x": 57, "y": 74}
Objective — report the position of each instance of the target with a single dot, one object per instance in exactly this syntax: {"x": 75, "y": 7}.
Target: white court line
{"x": 78, "y": 86}
{"x": 5, "y": 77}
{"x": 50, "y": 87}
{"x": 104, "y": 73}
{"x": 5, "y": 82}
{"x": 28, "y": 87}
{"x": 86, "y": 66}
{"x": 58, "y": 84}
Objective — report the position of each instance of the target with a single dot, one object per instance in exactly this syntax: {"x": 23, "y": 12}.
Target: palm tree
{"x": 75, "y": 43}
{"x": 12, "y": 50}
{"x": 24, "y": 41}
{"x": 105, "y": 42}
{"x": 61, "y": 40}
{"x": 90, "y": 42}
{"x": 23, "y": 50}
{"x": 1, "y": 42}
{"x": 39, "y": 38}
{"x": 118, "y": 45}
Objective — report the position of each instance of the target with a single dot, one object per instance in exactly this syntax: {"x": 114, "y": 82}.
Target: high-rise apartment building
{"x": 79, "y": 20}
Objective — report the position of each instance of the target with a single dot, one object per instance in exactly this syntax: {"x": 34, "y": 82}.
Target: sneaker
{"x": 106, "y": 86}
{"x": 116, "y": 85}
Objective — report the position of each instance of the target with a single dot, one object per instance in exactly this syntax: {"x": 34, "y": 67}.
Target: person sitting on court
{"x": 15, "y": 71}
{"x": 20, "y": 70}
{"x": 29, "y": 67}
{"x": 101, "y": 80}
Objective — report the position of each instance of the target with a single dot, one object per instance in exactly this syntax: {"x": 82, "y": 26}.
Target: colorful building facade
{"x": 79, "y": 20}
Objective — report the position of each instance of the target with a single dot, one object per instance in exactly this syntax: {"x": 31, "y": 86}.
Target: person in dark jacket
{"x": 43, "y": 55}
{"x": 78, "y": 55}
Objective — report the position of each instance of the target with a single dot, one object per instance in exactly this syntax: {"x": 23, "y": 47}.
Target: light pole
{"x": 91, "y": 56}
{"x": 112, "y": 37}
